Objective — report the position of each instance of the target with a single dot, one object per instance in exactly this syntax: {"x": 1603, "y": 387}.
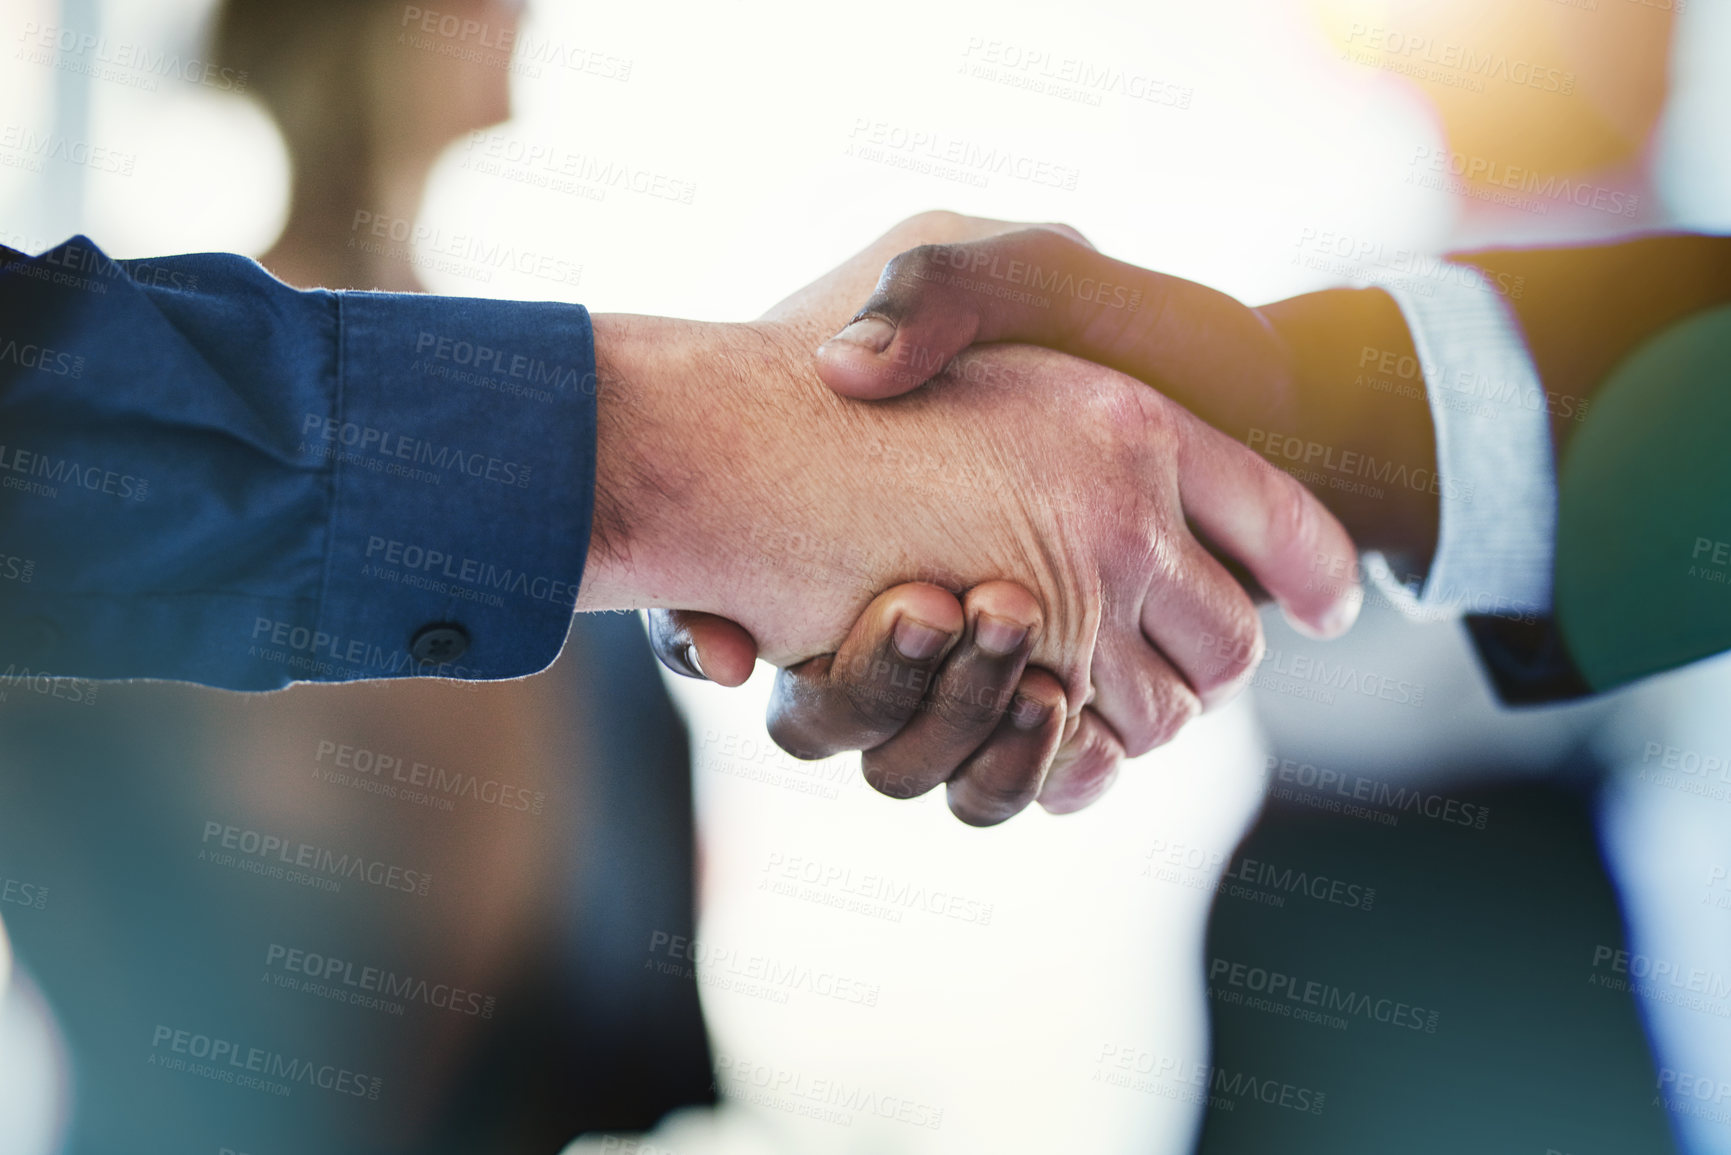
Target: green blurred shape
{"x": 1645, "y": 507}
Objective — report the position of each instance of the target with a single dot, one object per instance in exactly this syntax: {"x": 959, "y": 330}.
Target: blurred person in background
{"x": 364, "y": 116}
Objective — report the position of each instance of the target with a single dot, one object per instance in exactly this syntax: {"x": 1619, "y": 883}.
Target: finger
{"x": 1005, "y": 774}
{"x": 1084, "y": 767}
{"x": 1139, "y": 694}
{"x": 1040, "y": 287}
{"x": 866, "y": 691}
{"x": 968, "y": 698}
{"x": 1274, "y": 526}
{"x": 702, "y": 646}
{"x": 1203, "y": 623}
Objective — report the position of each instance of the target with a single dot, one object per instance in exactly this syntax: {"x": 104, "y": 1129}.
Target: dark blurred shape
{"x": 105, "y": 806}
{"x": 1501, "y": 932}
{"x": 617, "y": 1045}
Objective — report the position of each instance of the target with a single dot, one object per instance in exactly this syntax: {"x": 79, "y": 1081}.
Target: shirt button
{"x": 439, "y": 643}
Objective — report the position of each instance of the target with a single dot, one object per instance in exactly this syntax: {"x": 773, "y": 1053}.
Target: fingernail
{"x": 1028, "y": 714}
{"x": 873, "y": 333}
{"x": 691, "y": 660}
{"x": 917, "y": 641}
{"x": 1342, "y": 614}
{"x": 999, "y": 637}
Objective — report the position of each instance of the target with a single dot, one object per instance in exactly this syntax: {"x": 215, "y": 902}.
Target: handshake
{"x": 1003, "y": 532}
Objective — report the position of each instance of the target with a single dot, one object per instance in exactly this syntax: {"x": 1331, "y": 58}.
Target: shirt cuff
{"x": 462, "y": 448}
{"x": 1496, "y": 542}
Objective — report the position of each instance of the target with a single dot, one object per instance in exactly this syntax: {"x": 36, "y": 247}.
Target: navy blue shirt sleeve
{"x": 209, "y": 476}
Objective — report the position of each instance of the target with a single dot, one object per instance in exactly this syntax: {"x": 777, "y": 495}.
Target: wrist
{"x": 707, "y": 438}
{"x": 1359, "y": 430}
{"x": 652, "y": 452}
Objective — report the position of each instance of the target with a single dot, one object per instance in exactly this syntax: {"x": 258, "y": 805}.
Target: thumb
{"x": 701, "y": 645}
{"x": 1043, "y": 286}
{"x": 932, "y": 302}
{"x": 923, "y": 312}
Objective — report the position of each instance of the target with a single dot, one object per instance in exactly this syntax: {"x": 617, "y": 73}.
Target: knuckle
{"x": 877, "y": 705}
{"x": 892, "y": 779}
{"x": 1229, "y": 657}
{"x": 935, "y": 223}
{"x": 1292, "y": 517}
{"x": 1069, "y": 232}
{"x": 1133, "y": 430}
{"x": 908, "y": 272}
{"x": 1186, "y": 708}
{"x": 973, "y": 707}
{"x": 1172, "y": 711}
{"x": 1006, "y": 795}
{"x": 1144, "y": 542}
{"x": 980, "y": 804}
{"x": 1086, "y": 775}
{"x": 809, "y": 716}
{"x": 1139, "y": 421}
{"x": 795, "y": 735}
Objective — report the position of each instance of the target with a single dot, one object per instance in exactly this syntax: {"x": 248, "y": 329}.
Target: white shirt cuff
{"x": 1495, "y": 475}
